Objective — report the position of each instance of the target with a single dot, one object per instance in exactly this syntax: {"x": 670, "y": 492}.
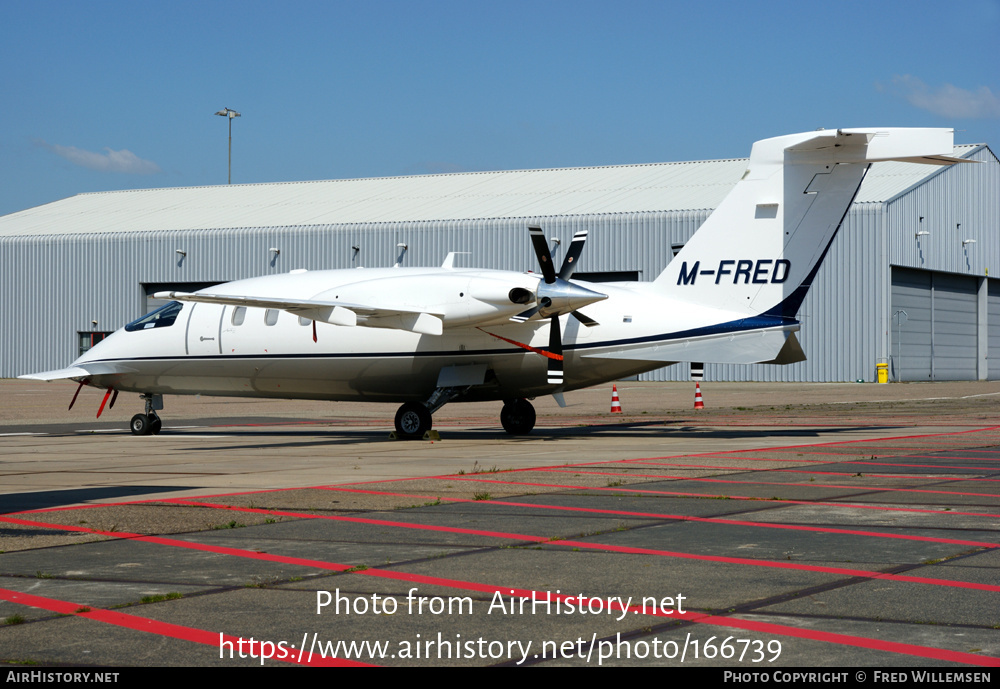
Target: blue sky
{"x": 118, "y": 95}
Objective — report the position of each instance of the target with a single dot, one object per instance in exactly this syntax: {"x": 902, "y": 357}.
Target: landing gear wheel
{"x": 155, "y": 424}
{"x": 518, "y": 417}
{"x": 140, "y": 425}
{"x": 413, "y": 420}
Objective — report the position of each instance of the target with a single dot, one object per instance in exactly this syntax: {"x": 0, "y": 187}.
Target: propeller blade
{"x": 573, "y": 255}
{"x": 542, "y": 252}
{"x": 555, "y": 347}
{"x": 586, "y": 320}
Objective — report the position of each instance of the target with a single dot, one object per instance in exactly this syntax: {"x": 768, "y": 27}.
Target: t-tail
{"x": 757, "y": 253}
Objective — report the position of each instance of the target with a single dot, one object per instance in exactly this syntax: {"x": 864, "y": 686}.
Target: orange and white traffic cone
{"x": 698, "y": 403}
{"x": 616, "y": 405}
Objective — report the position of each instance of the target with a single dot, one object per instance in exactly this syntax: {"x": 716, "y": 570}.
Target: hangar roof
{"x": 501, "y": 194}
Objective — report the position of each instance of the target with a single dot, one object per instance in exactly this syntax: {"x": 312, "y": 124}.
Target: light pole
{"x": 230, "y": 114}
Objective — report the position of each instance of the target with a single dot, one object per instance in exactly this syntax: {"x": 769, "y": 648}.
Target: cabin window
{"x": 163, "y": 317}
{"x": 271, "y": 317}
{"x": 239, "y": 315}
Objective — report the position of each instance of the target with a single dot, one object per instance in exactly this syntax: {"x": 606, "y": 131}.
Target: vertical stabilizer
{"x": 759, "y": 250}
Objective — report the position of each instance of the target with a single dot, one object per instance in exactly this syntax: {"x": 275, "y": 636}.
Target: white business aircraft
{"x": 429, "y": 336}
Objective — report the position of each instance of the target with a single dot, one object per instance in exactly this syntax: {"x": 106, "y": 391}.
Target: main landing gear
{"x": 413, "y": 419}
{"x": 148, "y": 423}
{"x": 517, "y": 417}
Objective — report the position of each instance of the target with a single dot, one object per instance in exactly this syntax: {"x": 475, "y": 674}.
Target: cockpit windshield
{"x": 161, "y": 318}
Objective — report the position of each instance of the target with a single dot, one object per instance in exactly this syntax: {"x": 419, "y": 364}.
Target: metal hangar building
{"x": 912, "y": 278}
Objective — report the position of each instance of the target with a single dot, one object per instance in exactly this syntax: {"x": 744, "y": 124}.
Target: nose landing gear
{"x": 145, "y": 424}
{"x": 148, "y": 423}
{"x": 414, "y": 419}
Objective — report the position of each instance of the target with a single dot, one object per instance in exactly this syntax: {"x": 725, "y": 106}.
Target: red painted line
{"x": 886, "y": 452}
{"x": 909, "y": 477}
{"x": 706, "y": 479}
{"x": 43, "y": 510}
{"x": 693, "y": 556}
{"x": 917, "y": 466}
{"x": 561, "y": 466}
{"x": 906, "y": 455}
{"x": 802, "y": 460}
{"x": 620, "y": 489}
{"x": 781, "y": 630}
{"x": 511, "y": 536}
{"x": 546, "y": 539}
{"x": 715, "y": 620}
{"x": 938, "y": 455}
{"x": 980, "y": 429}
{"x": 150, "y": 626}
{"x": 160, "y": 540}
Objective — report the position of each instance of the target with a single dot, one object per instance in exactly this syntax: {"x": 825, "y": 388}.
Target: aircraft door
{"x": 204, "y": 329}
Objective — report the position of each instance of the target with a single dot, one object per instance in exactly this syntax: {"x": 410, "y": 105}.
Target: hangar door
{"x": 993, "y": 328}
{"x": 937, "y": 339}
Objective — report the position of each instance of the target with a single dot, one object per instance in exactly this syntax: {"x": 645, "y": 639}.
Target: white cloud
{"x": 110, "y": 161}
{"x": 948, "y": 100}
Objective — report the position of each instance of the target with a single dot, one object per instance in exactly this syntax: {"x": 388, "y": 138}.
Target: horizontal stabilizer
{"x": 747, "y": 347}
{"x": 870, "y": 145}
{"x": 759, "y": 251}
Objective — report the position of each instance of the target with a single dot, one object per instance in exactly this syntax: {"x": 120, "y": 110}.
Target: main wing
{"x": 337, "y": 313}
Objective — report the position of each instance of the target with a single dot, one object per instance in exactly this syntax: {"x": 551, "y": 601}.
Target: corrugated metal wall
{"x": 960, "y": 203}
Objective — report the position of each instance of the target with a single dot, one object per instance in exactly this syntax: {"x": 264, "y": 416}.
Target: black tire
{"x": 518, "y": 417}
{"x": 413, "y": 420}
{"x": 139, "y": 425}
{"x": 155, "y": 424}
